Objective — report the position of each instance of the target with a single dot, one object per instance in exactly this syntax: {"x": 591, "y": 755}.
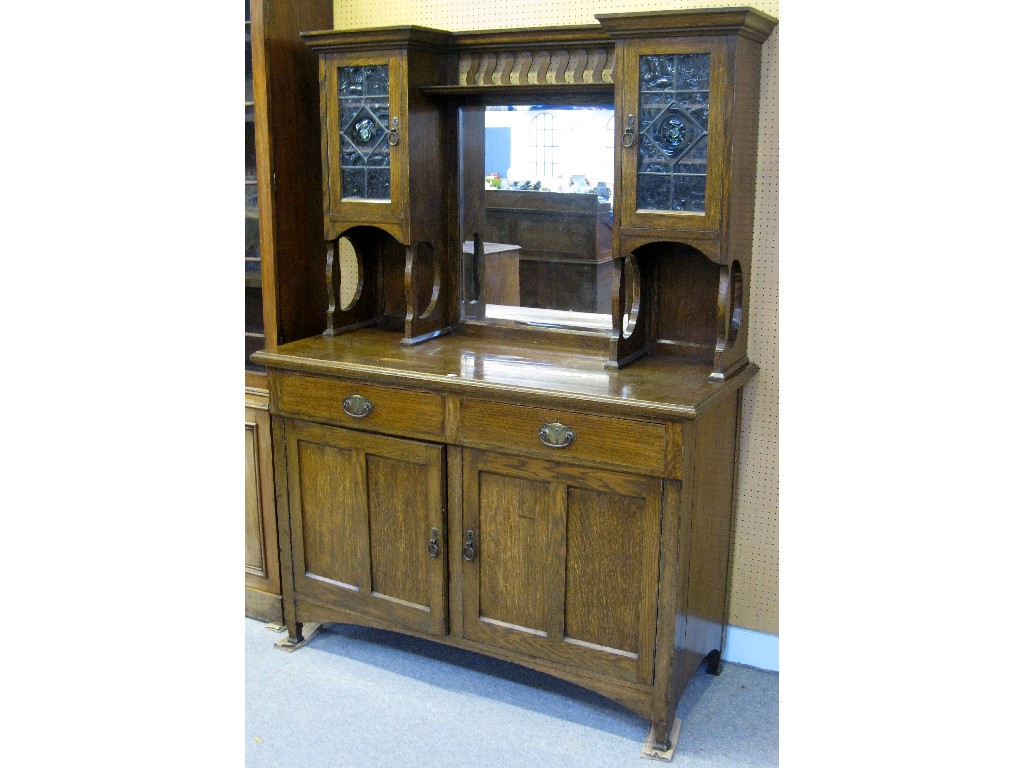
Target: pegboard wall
{"x": 755, "y": 577}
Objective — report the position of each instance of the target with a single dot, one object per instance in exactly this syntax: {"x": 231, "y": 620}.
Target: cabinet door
{"x": 564, "y": 562}
{"x": 364, "y": 124}
{"x": 672, "y": 133}
{"x": 365, "y": 510}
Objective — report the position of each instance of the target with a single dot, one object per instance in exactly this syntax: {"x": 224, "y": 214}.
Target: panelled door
{"x": 672, "y": 149}
{"x": 368, "y": 522}
{"x": 364, "y": 120}
{"x": 561, "y": 562}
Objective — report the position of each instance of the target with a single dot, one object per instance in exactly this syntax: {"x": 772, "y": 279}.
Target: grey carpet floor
{"x": 355, "y": 697}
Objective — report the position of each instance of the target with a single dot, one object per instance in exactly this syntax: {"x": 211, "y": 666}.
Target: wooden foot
{"x": 715, "y": 663}
{"x": 298, "y": 637}
{"x": 662, "y": 748}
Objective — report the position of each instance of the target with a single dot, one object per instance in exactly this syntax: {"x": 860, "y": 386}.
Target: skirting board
{"x": 752, "y": 649}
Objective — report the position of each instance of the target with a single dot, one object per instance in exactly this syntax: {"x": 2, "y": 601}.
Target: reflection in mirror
{"x": 514, "y": 370}
{"x": 537, "y": 214}
{"x": 631, "y": 285}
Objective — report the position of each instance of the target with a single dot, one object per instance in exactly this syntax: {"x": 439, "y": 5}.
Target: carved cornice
{"x": 379, "y": 38}
{"x": 537, "y": 66}
{"x": 744, "y": 22}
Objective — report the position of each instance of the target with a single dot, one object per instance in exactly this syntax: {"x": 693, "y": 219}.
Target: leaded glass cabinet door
{"x": 672, "y": 134}
{"x": 364, "y": 132}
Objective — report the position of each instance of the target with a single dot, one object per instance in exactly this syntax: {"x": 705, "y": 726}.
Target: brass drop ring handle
{"x": 393, "y": 133}
{"x": 356, "y": 406}
{"x": 433, "y": 548}
{"x": 469, "y": 551}
{"x": 629, "y": 135}
{"x": 555, "y": 435}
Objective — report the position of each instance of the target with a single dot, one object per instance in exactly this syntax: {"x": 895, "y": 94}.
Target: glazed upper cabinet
{"x": 367, "y": 161}
{"x": 381, "y": 142}
{"x": 383, "y": 146}
{"x": 686, "y": 102}
{"x": 672, "y": 139}
{"x": 538, "y": 541}
{"x": 367, "y": 522}
{"x": 686, "y": 113}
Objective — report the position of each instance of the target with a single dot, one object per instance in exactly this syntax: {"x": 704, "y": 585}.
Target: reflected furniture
{"x": 502, "y": 270}
{"x": 555, "y": 493}
{"x": 565, "y": 241}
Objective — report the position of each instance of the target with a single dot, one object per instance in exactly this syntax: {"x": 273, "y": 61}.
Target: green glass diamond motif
{"x": 674, "y": 132}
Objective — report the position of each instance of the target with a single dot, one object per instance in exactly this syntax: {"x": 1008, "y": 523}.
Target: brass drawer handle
{"x": 356, "y": 406}
{"x": 555, "y": 435}
{"x": 469, "y": 551}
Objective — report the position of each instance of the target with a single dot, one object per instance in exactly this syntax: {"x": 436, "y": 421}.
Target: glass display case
{"x": 254, "y": 328}
{"x": 365, "y": 167}
{"x": 673, "y": 133}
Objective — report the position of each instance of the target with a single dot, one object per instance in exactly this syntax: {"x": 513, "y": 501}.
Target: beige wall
{"x": 755, "y": 578}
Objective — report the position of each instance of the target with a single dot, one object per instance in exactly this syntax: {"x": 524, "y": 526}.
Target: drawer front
{"x": 402, "y": 412}
{"x": 603, "y": 440}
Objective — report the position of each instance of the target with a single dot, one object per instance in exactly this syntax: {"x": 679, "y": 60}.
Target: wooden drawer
{"x": 401, "y": 412}
{"x": 608, "y": 441}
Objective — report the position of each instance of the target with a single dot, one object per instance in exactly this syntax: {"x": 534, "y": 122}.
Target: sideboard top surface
{"x": 657, "y": 386}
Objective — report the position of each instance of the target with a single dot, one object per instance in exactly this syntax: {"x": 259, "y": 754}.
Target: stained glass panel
{"x": 363, "y": 115}
{"x": 673, "y": 132}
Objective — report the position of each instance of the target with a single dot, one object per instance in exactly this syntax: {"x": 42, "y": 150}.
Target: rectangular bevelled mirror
{"x": 536, "y": 214}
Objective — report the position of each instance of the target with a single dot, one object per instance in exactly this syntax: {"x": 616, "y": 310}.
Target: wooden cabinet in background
{"x": 262, "y": 572}
{"x": 285, "y": 294}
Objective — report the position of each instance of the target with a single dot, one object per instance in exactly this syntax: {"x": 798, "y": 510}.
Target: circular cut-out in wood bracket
{"x": 427, "y": 293}
{"x": 631, "y": 293}
{"x": 736, "y": 303}
{"x": 350, "y": 271}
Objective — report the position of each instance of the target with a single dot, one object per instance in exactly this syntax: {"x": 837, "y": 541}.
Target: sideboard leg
{"x": 715, "y": 663}
{"x": 661, "y": 740}
{"x": 297, "y": 637}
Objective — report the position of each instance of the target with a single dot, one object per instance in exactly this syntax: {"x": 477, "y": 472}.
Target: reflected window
{"x": 543, "y": 144}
